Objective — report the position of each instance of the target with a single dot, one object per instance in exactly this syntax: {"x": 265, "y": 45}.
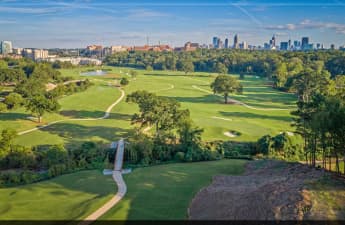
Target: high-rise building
{"x": 274, "y": 41}
{"x": 284, "y": 46}
{"x": 296, "y": 45}
{"x": 5, "y": 47}
{"x": 226, "y": 43}
{"x": 305, "y": 43}
{"x": 332, "y": 46}
{"x": 215, "y": 42}
{"x": 243, "y": 45}
{"x": 219, "y": 43}
{"x": 236, "y": 41}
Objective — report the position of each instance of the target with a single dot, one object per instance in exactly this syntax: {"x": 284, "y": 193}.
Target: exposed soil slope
{"x": 269, "y": 190}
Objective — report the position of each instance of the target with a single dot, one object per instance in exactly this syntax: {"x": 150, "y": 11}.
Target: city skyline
{"x": 69, "y": 24}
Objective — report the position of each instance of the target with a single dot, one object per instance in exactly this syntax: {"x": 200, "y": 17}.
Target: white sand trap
{"x": 288, "y": 133}
{"x": 230, "y": 134}
{"x": 220, "y": 118}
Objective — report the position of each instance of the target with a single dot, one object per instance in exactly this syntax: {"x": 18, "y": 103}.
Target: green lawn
{"x": 207, "y": 110}
{"x": 164, "y": 192}
{"x": 71, "y": 196}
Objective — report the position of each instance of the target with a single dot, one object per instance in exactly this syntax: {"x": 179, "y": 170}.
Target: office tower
{"x": 236, "y": 41}
{"x": 289, "y": 44}
{"x": 332, "y": 46}
{"x": 219, "y": 43}
{"x": 215, "y": 42}
{"x": 305, "y": 43}
{"x": 284, "y": 46}
{"x": 273, "y": 41}
{"x": 226, "y": 43}
{"x": 5, "y": 47}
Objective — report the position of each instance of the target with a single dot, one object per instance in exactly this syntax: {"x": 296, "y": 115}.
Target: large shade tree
{"x": 225, "y": 85}
{"x": 40, "y": 104}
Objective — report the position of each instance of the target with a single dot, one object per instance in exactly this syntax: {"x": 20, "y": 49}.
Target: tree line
{"x": 29, "y": 81}
{"x": 281, "y": 67}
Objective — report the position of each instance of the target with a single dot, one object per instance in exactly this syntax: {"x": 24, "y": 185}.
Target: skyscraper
{"x": 305, "y": 43}
{"x": 5, "y": 47}
{"x": 284, "y": 46}
{"x": 236, "y": 41}
{"x": 226, "y": 43}
{"x": 274, "y": 41}
{"x": 215, "y": 42}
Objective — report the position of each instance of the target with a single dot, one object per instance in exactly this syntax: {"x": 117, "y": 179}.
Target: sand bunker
{"x": 230, "y": 134}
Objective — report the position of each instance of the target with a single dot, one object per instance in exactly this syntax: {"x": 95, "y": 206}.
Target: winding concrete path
{"x": 121, "y": 187}
{"x": 106, "y": 115}
{"x": 239, "y": 102}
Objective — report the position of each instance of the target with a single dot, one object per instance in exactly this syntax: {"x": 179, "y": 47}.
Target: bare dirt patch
{"x": 269, "y": 190}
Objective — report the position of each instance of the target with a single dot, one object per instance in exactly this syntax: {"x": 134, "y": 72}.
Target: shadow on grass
{"x": 93, "y": 114}
{"x": 73, "y": 132}
{"x": 174, "y": 75}
{"x": 207, "y": 99}
{"x": 13, "y": 116}
{"x": 255, "y": 116}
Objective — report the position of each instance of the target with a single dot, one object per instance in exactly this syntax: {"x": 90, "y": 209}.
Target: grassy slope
{"x": 165, "y": 192}
{"x": 71, "y": 196}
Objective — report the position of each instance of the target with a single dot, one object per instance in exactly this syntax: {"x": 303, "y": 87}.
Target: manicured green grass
{"x": 165, "y": 192}
{"x": 71, "y": 196}
{"x": 207, "y": 110}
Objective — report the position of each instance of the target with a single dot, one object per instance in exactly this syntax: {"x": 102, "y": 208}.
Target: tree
{"x": 6, "y": 141}
{"x": 56, "y": 154}
{"x": 221, "y": 68}
{"x": 281, "y": 75}
{"x": 187, "y": 66}
{"x": 3, "y": 107}
{"x": 161, "y": 112}
{"x": 13, "y": 100}
{"x": 190, "y": 135}
{"x": 124, "y": 81}
{"x": 3, "y": 64}
{"x": 225, "y": 84}
{"x": 40, "y": 104}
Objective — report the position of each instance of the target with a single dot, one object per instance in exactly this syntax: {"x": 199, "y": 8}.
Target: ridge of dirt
{"x": 269, "y": 190}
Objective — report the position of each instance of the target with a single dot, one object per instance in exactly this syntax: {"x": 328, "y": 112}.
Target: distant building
{"x": 273, "y": 43}
{"x": 35, "y": 54}
{"x": 284, "y": 46}
{"x": 189, "y": 46}
{"x": 342, "y": 48}
{"x": 76, "y": 60}
{"x": 18, "y": 51}
{"x": 215, "y": 42}
{"x": 243, "y": 45}
{"x": 297, "y": 45}
{"x": 236, "y": 42}
{"x": 332, "y": 46}
{"x": 305, "y": 43}
{"x": 154, "y": 48}
{"x": 5, "y": 47}
{"x": 226, "y": 43}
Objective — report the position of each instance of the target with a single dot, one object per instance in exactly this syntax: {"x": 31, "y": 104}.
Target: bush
{"x": 124, "y": 81}
{"x": 180, "y": 156}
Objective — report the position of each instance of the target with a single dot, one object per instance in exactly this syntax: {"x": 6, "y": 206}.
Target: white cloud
{"x": 309, "y": 24}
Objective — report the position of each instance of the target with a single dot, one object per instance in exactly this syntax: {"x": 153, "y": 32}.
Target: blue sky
{"x": 61, "y": 23}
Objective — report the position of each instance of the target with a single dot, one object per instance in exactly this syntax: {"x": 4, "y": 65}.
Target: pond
{"x": 94, "y": 73}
